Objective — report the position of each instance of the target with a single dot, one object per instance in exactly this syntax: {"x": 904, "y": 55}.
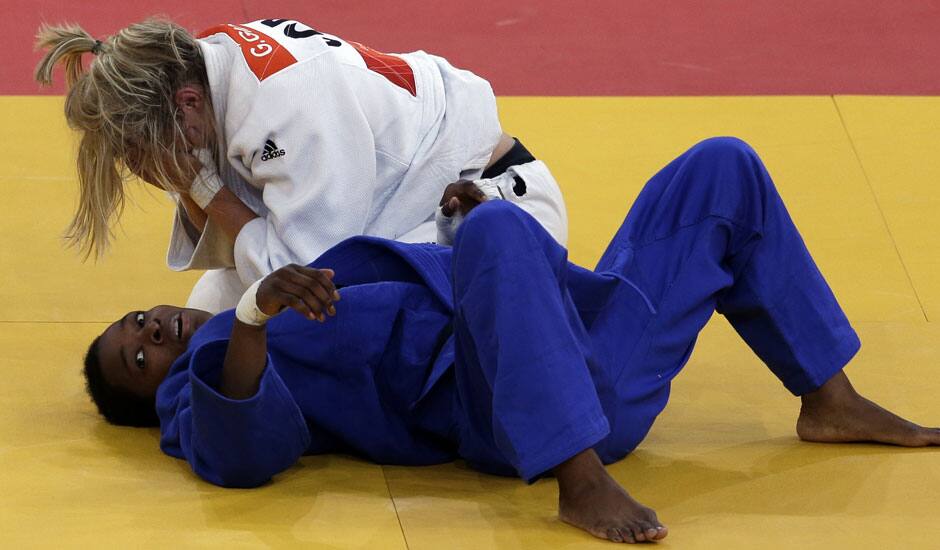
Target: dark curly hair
{"x": 117, "y": 405}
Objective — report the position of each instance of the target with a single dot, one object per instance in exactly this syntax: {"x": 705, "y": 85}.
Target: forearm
{"x": 245, "y": 361}
{"x": 197, "y": 216}
{"x": 308, "y": 291}
{"x": 228, "y": 212}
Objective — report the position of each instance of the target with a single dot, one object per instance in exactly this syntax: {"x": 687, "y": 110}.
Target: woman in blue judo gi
{"x": 498, "y": 350}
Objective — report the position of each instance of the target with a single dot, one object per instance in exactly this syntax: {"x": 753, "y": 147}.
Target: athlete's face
{"x": 194, "y": 117}
{"x": 137, "y": 350}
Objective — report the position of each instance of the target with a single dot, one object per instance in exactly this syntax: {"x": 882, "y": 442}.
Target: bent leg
{"x": 523, "y": 371}
{"x": 525, "y": 377}
{"x": 710, "y": 232}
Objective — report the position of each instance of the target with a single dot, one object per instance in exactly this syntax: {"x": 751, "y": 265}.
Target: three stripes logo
{"x": 271, "y": 151}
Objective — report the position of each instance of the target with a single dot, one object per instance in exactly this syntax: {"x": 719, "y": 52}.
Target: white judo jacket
{"x": 326, "y": 139}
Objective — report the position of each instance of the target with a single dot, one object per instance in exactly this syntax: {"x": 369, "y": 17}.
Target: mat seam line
{"x": 884, "y": 219}
{"x": 401, "y": 527}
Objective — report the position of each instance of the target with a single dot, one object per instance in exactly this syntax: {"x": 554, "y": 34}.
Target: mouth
{"x": 177, "y": 323}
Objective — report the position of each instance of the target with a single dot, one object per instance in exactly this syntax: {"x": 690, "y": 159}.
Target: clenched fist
{"x": 461, "y": 196}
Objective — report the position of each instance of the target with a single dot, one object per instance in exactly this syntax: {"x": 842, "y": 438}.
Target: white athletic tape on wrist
{"x": 447, "y": 226}
{"x": 207, "y": 182}
{"x": 247, "y": 310}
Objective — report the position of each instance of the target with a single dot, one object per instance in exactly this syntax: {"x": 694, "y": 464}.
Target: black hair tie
{"x": 96, "y": 49}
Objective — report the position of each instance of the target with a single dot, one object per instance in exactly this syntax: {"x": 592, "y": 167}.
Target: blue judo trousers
{"x": 564, "y": 362}
{"x": 518, "y": 359}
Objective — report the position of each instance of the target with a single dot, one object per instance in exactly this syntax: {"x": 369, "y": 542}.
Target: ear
{"x": 189, "y": 97}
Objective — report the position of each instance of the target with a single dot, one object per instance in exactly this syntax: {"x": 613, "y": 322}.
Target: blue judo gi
{"x": 502, "y": 352}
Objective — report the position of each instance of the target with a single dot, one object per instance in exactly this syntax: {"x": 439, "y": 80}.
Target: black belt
{"x": 515, "y": 156}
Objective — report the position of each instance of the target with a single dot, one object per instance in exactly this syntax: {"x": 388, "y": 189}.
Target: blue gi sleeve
{"x": 238, "y": 443}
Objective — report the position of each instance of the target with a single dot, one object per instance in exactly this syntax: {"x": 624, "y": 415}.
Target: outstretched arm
{"x": 233, "y": 419}
{"x": 309, "y": 291}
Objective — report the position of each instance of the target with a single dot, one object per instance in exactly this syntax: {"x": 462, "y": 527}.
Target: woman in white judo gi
{"x": 278, "y": 141}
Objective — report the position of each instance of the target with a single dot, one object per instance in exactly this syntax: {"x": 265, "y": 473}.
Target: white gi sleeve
{"x": 530, "y": 186}
{"x": 191, "y": 248}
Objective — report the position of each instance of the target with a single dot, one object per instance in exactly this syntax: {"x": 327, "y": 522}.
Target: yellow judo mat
{"x": 722, "y": 467}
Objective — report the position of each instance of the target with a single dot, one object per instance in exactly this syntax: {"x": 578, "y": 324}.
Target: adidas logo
{"x": 271, "y": 151}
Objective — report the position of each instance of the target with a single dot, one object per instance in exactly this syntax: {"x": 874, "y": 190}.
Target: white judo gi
{"x": 326, "y": 139}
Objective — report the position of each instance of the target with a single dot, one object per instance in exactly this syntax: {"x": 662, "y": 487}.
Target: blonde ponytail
{"x": 66, "y": 44}
{"x": 124, "y": 106}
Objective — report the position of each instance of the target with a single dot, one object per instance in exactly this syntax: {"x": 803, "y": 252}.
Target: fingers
{"x": 452, "y": 190}
{"x": 477, "y": 194}
{"x": 450, "y": 207}
{"x": 470, "y": 197}
{"x": 319, "y": 283}
{"x": 309, "y": 291}
{"x": 463, "y": 195}
{"x": 310, "y": 309}
{"x": 469, "y": 204}
{"x": 463, "y": 204}
{"x": 325, "y": 278}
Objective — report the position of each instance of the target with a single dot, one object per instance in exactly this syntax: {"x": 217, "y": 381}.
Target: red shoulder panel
{"x": 263, "y": 54}
{"x": 392, "y": 67}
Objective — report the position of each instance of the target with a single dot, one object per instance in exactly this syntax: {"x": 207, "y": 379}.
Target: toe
{"x": 655, "y": 530}
{"x": 614, "y": 535}
{"x": 638, "y": 533}
{"x": 647, "y": 529}
{"x": 627, "y": 535}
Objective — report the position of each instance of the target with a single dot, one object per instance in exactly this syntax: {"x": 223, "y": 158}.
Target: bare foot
{"x": 591, "y": 500}
{"x": 835, "y": 413}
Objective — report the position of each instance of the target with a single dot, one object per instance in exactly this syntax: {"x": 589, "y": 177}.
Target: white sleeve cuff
{"x": 211, "y": 249}
{"x": 251, "y": 254}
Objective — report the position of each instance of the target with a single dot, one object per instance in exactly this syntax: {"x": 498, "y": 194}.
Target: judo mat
{"x": 722, "y": 466}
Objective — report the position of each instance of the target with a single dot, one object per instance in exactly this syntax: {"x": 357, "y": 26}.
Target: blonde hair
{"x": 124, "y": 106}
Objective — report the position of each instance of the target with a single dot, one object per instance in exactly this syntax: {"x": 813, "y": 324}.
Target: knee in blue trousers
{"x": 553, "y": 359}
